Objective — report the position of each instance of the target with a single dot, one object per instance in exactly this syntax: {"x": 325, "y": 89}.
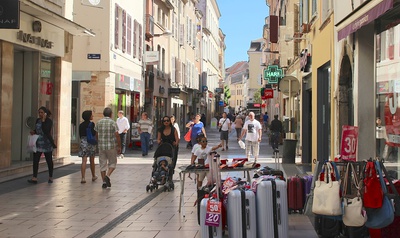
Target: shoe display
{"x": 83, "y": 180}
{"x": 104, "y": 185}
{"x": 108, "y": 181}
{"x": 94, "y": 178}
{"x": 32, "y": 181}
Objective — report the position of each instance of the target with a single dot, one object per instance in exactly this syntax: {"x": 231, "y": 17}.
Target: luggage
{"x": 327, "y": 227}
{"x": 307, "y": 184}
{"x": 296, "y": 196}
{"x": 209, "y": 231}
{"x": 242, "y": 214}
{"x": 272, "y": 207}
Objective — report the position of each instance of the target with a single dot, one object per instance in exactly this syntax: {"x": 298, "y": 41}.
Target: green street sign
{"x": 272, "y": 74}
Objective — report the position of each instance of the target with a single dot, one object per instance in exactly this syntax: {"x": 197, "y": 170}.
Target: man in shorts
{"x": 109, "y": 144}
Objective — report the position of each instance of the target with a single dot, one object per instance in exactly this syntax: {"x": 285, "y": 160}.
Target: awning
{"x": 363, "y": 17}
{"x": 52, "y": 18}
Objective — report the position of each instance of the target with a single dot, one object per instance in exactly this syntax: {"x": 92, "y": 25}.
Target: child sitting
{"x": 162, "y": 171}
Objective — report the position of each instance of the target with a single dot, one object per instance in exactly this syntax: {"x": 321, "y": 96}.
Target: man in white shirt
{"x": 253, "y": 130}
{"x": 123, "y": 127}
{"x": 225, "y": 128}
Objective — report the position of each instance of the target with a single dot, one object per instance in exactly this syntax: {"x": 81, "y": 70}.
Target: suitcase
{"x": 272, "y": 207}
{"x": 296, "y": 196}
{"x": 242, "y": 217}
{"x": 327, "y": 227}
{"x": 214, "y": 175}
{"x": 307, "y": 184}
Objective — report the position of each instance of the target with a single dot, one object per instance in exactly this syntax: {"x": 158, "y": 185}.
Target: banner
{"x": 9, "y": 14}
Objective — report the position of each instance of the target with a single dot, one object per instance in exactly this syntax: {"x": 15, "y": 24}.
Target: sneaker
{"x": 32, "y": 181}
{"x": 121, "y": 156}
{"x": 94, "y": 178}
{"x": 107, "y": 181}
{"x": 226, "y": 147}
{"x": 104, "y": 185}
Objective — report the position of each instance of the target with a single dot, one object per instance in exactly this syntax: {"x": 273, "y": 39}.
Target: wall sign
{"x": 35, "y": 40}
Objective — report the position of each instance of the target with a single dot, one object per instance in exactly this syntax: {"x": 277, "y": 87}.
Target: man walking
{"x": 253, "y": 130}
{"x": 265, "y": 120}
{"x": 224, "y": 125}
{"x": 276, "y": 129}
{"x": 123, "y": 127}
{"x": 107, "y": 135}
{"x": 145, "y": 128}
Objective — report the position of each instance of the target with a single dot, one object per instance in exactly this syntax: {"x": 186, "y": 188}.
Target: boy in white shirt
{"x": 201, "y": 154}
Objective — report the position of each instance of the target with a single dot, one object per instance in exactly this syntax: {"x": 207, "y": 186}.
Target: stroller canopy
{"x": 164, "y": 149}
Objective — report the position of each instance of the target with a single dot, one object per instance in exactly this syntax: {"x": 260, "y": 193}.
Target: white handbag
{"x": 353, "y": 210}
{"x": 327, "y": 195}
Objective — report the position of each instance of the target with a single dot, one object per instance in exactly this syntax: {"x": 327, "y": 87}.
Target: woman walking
{"x": 86, "y": 149}
{"x": 197, "y": 128}
{"x": 168, "y": 134}
{"x": 44, "y": 144}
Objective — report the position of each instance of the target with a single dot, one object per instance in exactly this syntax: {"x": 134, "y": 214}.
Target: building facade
{"x": 35, "y": 71}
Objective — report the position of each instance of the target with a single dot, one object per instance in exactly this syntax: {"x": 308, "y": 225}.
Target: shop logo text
{"x": 37, "y": 40}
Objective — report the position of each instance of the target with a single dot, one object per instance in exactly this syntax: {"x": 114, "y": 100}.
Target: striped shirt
{"x": 145, "y": 125}
{"x": 106, "y": 129}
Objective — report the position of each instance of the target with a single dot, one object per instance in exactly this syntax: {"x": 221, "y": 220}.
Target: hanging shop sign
{"x": 272, "y": 74}
{"x": 9, "y": 14}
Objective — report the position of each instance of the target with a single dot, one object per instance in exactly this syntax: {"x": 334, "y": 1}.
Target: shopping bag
{"x": 188, "y": 135}
{"x": 31, "y": 144}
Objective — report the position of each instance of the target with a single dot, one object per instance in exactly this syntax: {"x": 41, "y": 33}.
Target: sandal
{"x": 94, "y": 178}
{"x": 83, "y": 180}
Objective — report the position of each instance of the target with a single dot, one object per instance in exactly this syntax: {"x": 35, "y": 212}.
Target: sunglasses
{"x": 165, "y": 120}
{"x": 203, "y": 141}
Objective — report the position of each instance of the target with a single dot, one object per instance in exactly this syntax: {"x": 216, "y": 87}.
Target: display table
{"x": 184, "y": 171}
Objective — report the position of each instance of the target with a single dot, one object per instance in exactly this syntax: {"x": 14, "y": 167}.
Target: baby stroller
{"x": 164, "y": 152}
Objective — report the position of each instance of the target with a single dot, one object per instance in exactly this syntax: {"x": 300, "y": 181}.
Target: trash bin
{"x": 289, "y": 151}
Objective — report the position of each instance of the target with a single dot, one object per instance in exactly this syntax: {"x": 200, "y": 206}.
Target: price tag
{"x": 213, "y": 214}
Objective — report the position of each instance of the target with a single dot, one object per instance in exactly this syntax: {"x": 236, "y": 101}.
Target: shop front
{"x": 388, "y": 88}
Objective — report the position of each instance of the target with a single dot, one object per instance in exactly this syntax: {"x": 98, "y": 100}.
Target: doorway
{"x": 324, "y": 112}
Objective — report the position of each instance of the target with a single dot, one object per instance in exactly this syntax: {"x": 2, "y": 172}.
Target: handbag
{"x": 373, "y": 194}
{"x": 31, "y": 143}
{"x": 327, "y": 195}
{"x": 354, "y": 214}
{"x": 383, "y": 216}
{"x": 89, "y": 136}
{"x": 220, "y": 128}
{"x": 188, "y": 135}
{"x": 393, "y": 193}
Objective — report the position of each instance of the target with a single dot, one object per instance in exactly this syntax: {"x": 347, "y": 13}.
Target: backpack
{"x": 91, "y": 139}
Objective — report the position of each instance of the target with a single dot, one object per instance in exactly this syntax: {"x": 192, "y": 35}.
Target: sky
{"x": 241, "y": 21}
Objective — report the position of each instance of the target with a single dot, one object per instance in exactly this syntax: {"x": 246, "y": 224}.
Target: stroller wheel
{"x": 147, "y": 188}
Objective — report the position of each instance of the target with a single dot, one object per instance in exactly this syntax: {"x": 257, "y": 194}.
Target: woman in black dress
{"x": 168, "y": 134}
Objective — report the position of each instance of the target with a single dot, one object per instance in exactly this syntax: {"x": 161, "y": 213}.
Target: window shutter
{"x": 134, "y": 47}
{"x": 181, "y": 34}
{"x": 123, "y": 30}
{"x": 173, "y": 79}
{"x": 116, "y": 36}
{"x": 129, "y": 35}
{"x": 140, "y": 42}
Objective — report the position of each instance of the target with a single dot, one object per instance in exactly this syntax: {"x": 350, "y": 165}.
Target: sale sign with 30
{"x": 213, "y": 214}
{"x": 349, "y": 143}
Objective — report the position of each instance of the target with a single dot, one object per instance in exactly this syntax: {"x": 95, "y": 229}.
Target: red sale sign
{"x": 348, "y": 149}
{"x": 213, "y": 214}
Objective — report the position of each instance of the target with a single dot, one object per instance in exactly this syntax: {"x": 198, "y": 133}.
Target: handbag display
{"x": 89, "y": 136}
{"x": 373, "y": 194}
{"x": 327, "y": 194}
{"x": 383, "y": 216}
{"x": 354, "y": 214}
{"x": 188, "y": 135}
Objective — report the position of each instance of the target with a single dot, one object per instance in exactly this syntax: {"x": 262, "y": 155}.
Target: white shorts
{"x": 252, "y": 145}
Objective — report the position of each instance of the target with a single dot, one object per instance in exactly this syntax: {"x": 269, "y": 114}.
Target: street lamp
{"x": 165, "y": 33}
